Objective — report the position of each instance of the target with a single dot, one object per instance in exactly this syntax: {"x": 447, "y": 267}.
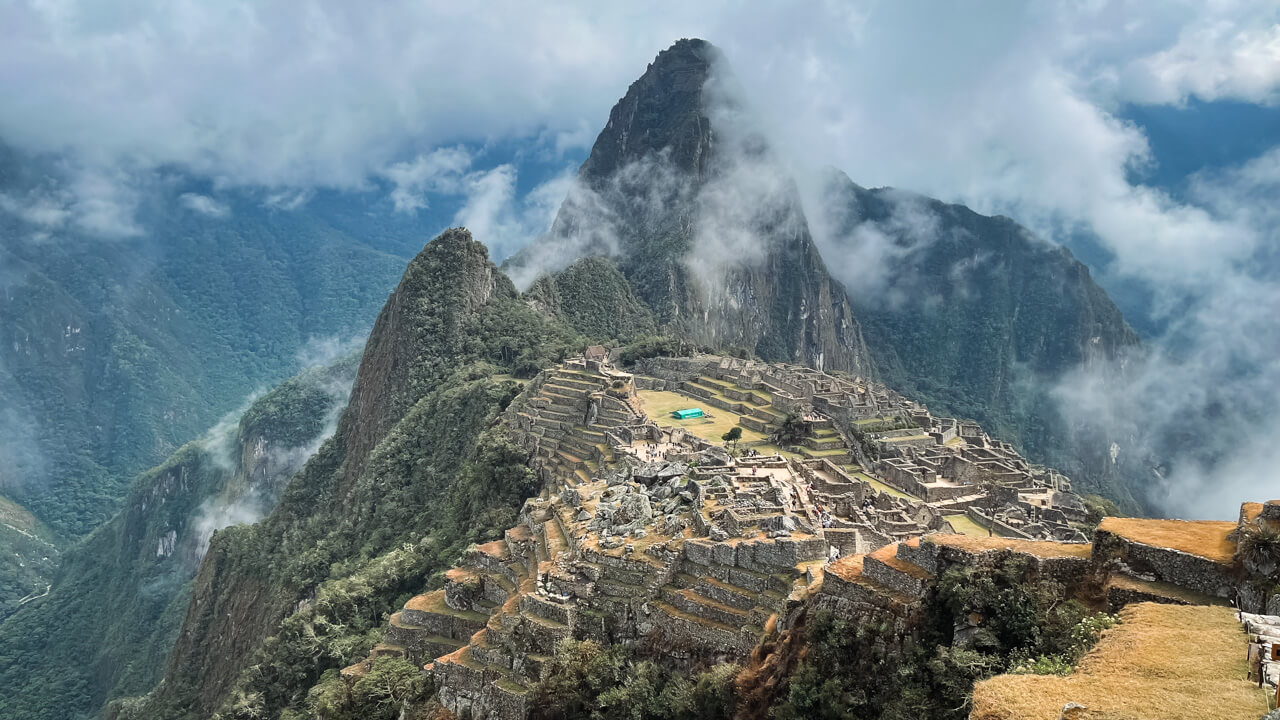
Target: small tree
{"x": 733, "y": 436}
{"x": 990, "y": 486}
{"x": 793, "y": 429}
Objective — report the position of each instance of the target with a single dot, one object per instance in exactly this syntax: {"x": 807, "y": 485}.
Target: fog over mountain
{"x": 1022, "y": 111}
{"x": 302, "y": 388}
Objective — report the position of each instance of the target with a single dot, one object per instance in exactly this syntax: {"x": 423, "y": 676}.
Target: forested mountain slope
{"x": 976, "y": 316}
{"x": 116, "y": 351}
{"x": 412, "y": 475}
{"x": 111, "y": 616}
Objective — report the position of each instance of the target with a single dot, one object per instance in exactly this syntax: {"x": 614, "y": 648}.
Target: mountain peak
{"x": 663, "y": 110}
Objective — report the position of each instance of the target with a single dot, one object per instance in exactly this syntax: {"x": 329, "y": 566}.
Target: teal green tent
{"x": 686, "y": 414}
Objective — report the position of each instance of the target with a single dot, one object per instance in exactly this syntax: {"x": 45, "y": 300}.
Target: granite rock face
{"x": 705, "y": 223}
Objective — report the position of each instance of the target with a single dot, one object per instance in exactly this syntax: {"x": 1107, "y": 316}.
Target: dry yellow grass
{"x": 1038, "y": 548}
{"x": 1165, "y": 662}
{"x": 888, "y": 556}
{"x": 1203, "y": 538}
{"x": 848, "y": 567}
{"x": 1168, "y": 590}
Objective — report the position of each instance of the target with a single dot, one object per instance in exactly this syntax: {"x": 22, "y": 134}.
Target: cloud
{"x": 204, "y": 205}
{"x": 1199, "y": 408}
{"x": 40, "y": 207}
{"x": 323, "y": 351}
{"x": 247, "y": 498}
{"x": 1217, "y": 61}
{"x": 1012, "y": 109}
{"x": 100, "y": 202}
{"x": 288, "y": 200}
{"x": 500, "y": 219}
{"x": 439, "y": 171}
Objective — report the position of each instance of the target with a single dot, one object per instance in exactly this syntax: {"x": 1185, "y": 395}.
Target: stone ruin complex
{"x": 647, "y": 533}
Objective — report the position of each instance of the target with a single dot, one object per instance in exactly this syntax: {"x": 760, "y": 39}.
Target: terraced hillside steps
{"x": 886, "y": 567}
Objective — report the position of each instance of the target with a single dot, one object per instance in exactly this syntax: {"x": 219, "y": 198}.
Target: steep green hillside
{"x": 113, "y": 612}
{"x": 594, "y": 298}
{"x": 976, "y": 317}
{"x": 115, "y": 354}
{"x": 413, "y": 474}
{"x": 116, "y": 351}
{"x": 29, "y": 553}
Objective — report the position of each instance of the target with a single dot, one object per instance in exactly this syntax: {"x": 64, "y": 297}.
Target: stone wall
{"x": 1164, "y": 564}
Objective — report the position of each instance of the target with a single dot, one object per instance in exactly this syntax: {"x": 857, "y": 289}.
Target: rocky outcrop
{"x": 451, "y": 307}
{"x": 703, "y": 221}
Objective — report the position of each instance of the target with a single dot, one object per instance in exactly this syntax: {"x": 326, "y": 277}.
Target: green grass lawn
{"x": 966, "y": 526}
{"x": 659, "y": 404}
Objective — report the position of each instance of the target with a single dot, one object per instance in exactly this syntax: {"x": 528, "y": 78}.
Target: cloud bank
{"x": 1013, "y": 109}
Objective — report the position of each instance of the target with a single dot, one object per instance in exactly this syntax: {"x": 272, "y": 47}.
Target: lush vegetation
{"x": 584, "y": 681}
{"x": 592, "y": 297}
{"x": 390, "y": 685}
{"x": 113, "y": 354}
{"x": 29, "y": 553}
{"x": 417, "y": 471}
{"x": 655, "y": 346}
{"x": 1258, "y": 547}
{"x": 108, "y": 623}
{"x": 857, "y": 671}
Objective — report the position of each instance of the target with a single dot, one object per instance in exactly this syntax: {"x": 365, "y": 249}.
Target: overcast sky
{"x": 1015, "y": 107}
{"x": 1006, "y": 106}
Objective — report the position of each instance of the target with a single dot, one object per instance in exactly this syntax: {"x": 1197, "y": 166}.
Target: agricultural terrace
{"x": 1161, "y": 661}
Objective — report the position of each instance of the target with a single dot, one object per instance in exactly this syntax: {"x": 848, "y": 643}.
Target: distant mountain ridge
{"x": 117, "y": 602}
{"x": 114, "y": 352}
{"x": 976, "y": 316}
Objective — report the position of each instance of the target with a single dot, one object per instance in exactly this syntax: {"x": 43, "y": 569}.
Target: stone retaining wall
{"x": 1165, "y": 565}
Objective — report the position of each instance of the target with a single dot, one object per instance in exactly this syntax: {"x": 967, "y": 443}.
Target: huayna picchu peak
{"x": 686, "y": 196}
{"x": 727, "y": 440}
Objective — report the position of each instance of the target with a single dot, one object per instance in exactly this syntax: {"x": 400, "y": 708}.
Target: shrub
{"x": 1258, "y": 547}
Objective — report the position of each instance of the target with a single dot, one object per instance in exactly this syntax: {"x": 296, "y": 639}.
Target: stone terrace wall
{"x": 1165, "y": 564}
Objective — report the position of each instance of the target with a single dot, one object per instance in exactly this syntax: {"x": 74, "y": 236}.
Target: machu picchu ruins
{"x": 835, "y": 493}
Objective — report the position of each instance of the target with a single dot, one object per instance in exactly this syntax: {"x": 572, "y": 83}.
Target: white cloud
{"x": 503, "y": 222}
{"x": 1010, "y": 109}
{"x": 1217, "y": 61}
{"x": 204, "y": 205}
{"x": 288, "y": 199}
{"x": 39, "y": 207}
{"x": 439, "y": 171}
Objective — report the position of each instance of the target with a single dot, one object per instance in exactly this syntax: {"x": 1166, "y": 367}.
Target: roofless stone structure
{"x": 840, "y": 494}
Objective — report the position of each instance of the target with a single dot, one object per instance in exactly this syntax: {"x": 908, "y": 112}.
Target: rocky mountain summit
{"x": 685, "y": 195}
